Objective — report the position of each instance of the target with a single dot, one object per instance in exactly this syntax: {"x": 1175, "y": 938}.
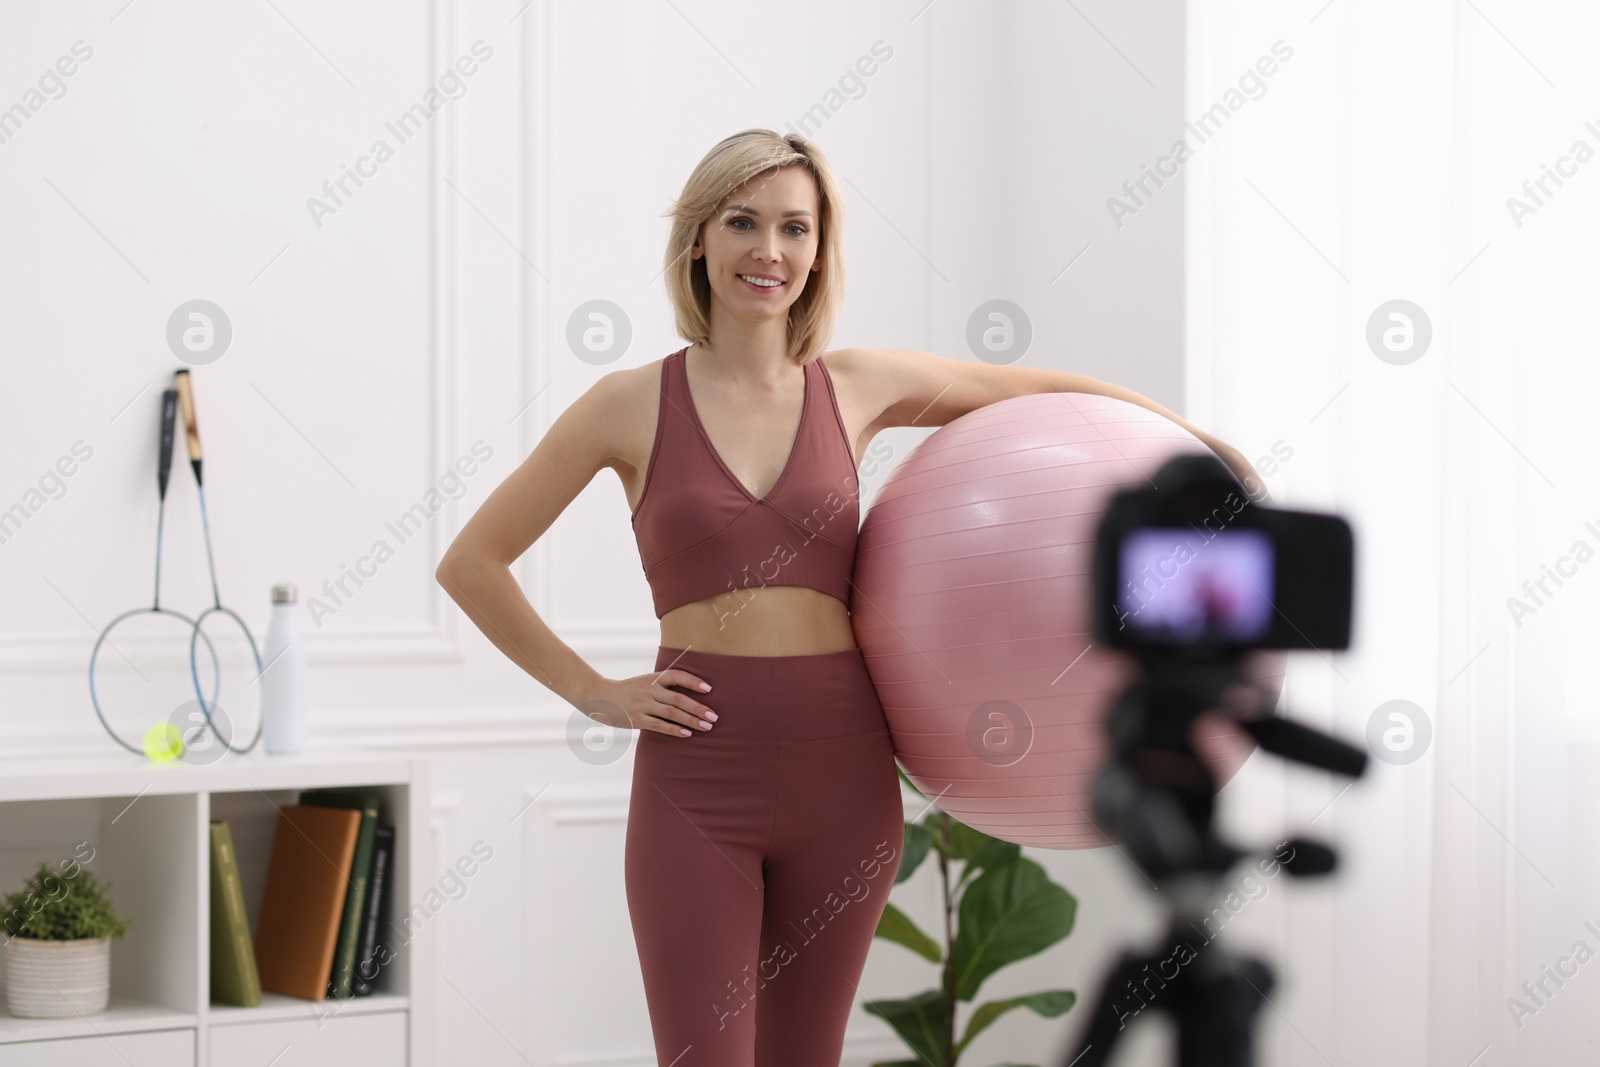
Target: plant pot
{"x": 56, "y": 979}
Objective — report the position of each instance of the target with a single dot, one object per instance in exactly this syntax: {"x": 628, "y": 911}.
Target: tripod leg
{"x": 1216, "y": 1024}
{"x": 1113, "y": 1009}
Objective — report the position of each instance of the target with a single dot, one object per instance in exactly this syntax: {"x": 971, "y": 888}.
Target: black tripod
{"x": 1157, "y": 797}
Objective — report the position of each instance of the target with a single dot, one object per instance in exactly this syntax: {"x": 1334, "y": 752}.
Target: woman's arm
{"x": 1236, "y": 461}
{"x": 922, "y": 389}
{"x": 476, "y": 568}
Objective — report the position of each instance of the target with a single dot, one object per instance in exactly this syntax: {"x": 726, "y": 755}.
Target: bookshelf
{"x": 148, "y": 825}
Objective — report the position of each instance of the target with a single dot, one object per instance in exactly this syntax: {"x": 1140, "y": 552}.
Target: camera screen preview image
{"x": 1178, "y": 585}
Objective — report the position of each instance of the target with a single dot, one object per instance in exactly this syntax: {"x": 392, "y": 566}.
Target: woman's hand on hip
{"x": 644, "y": 702}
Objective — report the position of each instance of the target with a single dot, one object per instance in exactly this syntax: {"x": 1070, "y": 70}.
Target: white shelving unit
{"x": 148, "y": 825}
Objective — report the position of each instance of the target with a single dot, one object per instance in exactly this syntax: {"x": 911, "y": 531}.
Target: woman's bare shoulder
{"x": 865, "y": 364}
{"x": 839, "y": 359}
{"x": 862, "y": 375}
{"x": 845, "y": 364}
{"x": 633, "y": 401}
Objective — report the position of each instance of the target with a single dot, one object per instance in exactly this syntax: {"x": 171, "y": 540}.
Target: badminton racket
{"x": 191, "y": 432}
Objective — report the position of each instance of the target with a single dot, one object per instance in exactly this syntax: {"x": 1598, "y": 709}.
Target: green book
{"x": 341, "y": 983}
{"x": 234, "y": 978}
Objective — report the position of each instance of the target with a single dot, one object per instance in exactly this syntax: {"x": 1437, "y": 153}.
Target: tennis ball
{"x": 163, "y": 742}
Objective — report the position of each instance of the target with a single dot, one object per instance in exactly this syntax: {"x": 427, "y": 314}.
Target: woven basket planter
{"x": 56, "y": 979}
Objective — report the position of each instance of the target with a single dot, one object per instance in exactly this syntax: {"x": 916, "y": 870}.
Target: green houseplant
{"x": 1008, "y": 909}
{"x": 59, "y": 929}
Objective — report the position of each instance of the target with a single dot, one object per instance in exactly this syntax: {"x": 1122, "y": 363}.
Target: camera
{"x": 1193, "y": 566}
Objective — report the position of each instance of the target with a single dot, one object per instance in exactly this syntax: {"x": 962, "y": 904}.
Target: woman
{"x": 765, "y": 821}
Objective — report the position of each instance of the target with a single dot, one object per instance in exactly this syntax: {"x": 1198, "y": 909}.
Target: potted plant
{"x": 1008, "y": 909}
{"x": 58, "y": 944}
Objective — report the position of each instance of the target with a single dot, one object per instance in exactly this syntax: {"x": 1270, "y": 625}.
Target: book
{"x": 234, "y": 979}
{"x": 341, "y": 976}
{"x": 302, "y": 901}
{"x": 368, "y": 963}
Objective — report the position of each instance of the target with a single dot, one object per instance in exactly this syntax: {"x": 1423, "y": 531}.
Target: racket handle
{"x": 190, "y": 428}
{"x": 169, "y": 414}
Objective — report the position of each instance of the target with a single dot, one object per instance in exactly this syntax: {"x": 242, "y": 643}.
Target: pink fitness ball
{"x": 970, "y": 603}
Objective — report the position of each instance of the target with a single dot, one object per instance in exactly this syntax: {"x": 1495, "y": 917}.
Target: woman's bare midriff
{"x": 771, "y": 620}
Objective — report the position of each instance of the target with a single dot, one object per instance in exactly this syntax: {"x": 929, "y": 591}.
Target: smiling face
{"x": 761, "y": 244}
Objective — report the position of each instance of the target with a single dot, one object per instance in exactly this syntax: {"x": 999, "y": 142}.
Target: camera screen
{"x": 1178, "y": 585}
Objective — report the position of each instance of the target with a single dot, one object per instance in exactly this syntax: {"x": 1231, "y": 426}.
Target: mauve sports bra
{"x": 701, "y": 532}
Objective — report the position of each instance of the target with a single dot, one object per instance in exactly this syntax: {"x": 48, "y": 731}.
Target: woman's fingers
{"x": 684, "y": 711}
{"x": 688, "y": 703}
{"x": 674, "y": 676}
{"x": 672, "y": 712}
{"x": 648, "y": 704}
{"x": 644, "y": 703}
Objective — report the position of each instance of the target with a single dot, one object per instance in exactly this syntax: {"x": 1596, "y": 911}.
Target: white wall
{"x": 1388, "y": 159}
{"x": 429, "y": 312}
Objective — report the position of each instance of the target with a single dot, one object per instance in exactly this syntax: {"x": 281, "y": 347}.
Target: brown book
{"x": 313, "y": 851}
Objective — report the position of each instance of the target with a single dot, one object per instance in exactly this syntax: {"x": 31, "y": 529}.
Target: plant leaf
{"x": 895, "y": 925}
{"x": 977, "y": 847}
{"x": 62, "y": 907}
{"x": 909, "y": 783}
{"x": 919, "y": 1020}
{"x": 918, "y": 840}
{"x": 987, "y": 856}
{"x": 1007, "y": 914}
{"x": 1049, "y": 1004}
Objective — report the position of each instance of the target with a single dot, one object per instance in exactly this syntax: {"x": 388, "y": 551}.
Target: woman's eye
{"x": 794, "y": 229}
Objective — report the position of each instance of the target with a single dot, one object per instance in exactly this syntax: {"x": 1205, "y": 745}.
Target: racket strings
{"x": 210, "y": 708}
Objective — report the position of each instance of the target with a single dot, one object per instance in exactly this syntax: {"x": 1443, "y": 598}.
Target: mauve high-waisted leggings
{"x": 759, "y": 856}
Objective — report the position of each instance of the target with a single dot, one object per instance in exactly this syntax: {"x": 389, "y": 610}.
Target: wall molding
{"x": 413, "y": 731}
{"x": 395, "y": 643}
{"x": 437, "y": 637}
{"x": 378, "y": 644}
{"x": 447, "y": 816}
{"x": 556, "y": 806}
{"x": 538, "y": 222}
{"x": 443, "y": 237}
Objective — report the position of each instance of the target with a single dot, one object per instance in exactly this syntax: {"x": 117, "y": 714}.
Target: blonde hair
{"x": 732, "y": 162}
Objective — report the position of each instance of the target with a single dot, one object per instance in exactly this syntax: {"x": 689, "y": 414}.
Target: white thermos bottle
{"x": 283, "y": 682}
